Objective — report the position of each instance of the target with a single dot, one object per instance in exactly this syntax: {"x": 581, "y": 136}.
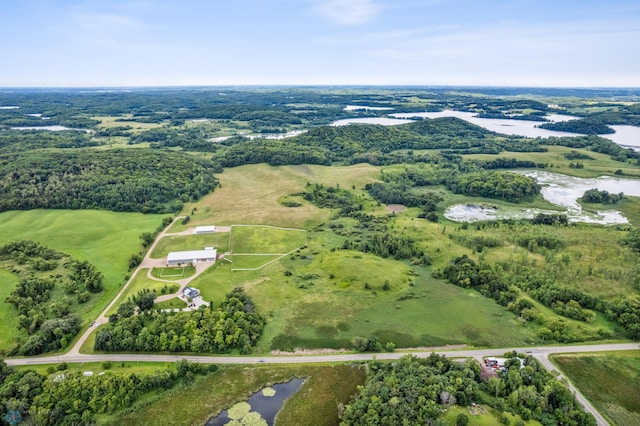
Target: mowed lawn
{"x": 106, "y": 239}
{"x": 265, "y": 239}
{"x": 250, "y": 195}
{"x": 611, "y": 381}
{"x": 141, "y": 282}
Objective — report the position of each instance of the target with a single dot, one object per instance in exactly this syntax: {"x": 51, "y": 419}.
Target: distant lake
{"x": 626, "y": 136}
{"x": 384, "y": 121}
{"x": 505, "y": 126}
{"x": 359, "y": 107}
{"x": 55, "y": 128}
{"x": 558, "y": 189}
{"x": 9, "y": 107}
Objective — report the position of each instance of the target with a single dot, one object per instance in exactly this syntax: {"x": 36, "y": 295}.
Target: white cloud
{"x": 348, "y": 12}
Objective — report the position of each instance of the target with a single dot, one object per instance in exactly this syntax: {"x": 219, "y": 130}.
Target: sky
{"x": 114, "y": 43}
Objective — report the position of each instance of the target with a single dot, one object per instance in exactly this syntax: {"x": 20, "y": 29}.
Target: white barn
{"x": 204, "y": 230}
{"x": 193, "y": 256}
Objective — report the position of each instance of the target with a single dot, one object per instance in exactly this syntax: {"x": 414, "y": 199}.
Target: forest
{"x": 70, "y": 398}
{"x": 234, "y": 325}
{"x": 419, "y": 391}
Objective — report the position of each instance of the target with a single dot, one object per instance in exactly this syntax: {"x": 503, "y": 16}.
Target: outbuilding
{"x": 193, "y": 256}
{"x": 204, "y": 230}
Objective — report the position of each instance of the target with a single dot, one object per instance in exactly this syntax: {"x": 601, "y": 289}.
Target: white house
{"x": 204, "y": 230}
{"x": 193, "y": 256}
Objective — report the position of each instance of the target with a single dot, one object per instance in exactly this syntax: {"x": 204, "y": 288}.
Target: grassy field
{"x": 611, "y": 381}
{"x": 491, "y": 418}
{"x": 219, "y": 240}
{"x": 250, "y": 194}
{"x": 317, "y": 400}
{"x": 601, "y": 164}
{"x": 106, "y": 239}
{"x": 173, "y": 273}
{"x": 8, "y": 315}
{"x": 265, "y": 239}
{"x": 252, "y": 261}
{"x": 141, "y": 282}
{"x": 171, "y": 304}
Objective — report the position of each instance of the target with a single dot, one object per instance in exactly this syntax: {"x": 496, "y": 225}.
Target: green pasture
{"x": 252, "y": 261}
{"x": 96, "y": 367}
{"x": 316, "y": 401}
{"x": 249, "y": 195}
{"x": 106, "y": 239}
{"x": 173, "y": 273}
{"x": 139, "y": 283}
{"x": 265, "y": 239}
{"x": 219, "y": 240}
{"x": 174, "y": 303}
{"x": 492, "y": 417}
{"x": 610, "y": 380}
{"x": 8, "y": 315}
{"x": 602, "y": 164}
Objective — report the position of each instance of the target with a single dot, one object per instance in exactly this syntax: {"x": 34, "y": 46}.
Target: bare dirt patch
{"x": 395, "y": 208}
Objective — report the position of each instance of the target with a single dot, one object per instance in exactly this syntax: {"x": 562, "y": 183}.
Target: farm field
{"x": 316, "y": 401}
{"x": 249, "y": 195}
{"x": 108, "y": 246}
{"x": 265, "y": 239}
{"x": 8, "y": 317}
{"x": 611, "y": 381}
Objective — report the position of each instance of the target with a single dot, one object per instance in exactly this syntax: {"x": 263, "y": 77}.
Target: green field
{"x": 315, "y": 403}
{"x": 251, "y": 261}
{"x": 492, "y": 417}
{"x": 250, "y": 195}
{"x": 171, "y": 304}
{"x": 173, "y": 273}
{"x": 219, "y": 240}
{"x": 265, "y": 239}
{"x": 8, "y": 317}
{"x": 610, "y": 380}
{"x": 141, "y": 282}
{"x": 106, "y": 239}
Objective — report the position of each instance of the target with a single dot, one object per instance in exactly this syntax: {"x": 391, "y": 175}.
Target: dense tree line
{"x": 119, "y": 180}
{"x": 235, "y": 325}
{"x": 418, "y": 391}
{"x": 506, "y": 186}
{"x": 273, "y": 152}
{"x": 396, "y": 193}
{"x": 66, "y": 398}
{"x": 595, "y": 196}
{"x": 24, "y": 140}
{"x": 586, "y": 126}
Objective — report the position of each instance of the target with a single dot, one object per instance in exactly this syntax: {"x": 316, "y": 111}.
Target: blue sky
{"x": 298, "y": 42}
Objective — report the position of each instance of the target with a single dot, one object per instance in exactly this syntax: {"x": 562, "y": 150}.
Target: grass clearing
{"x": 610, "y": 380}
{"x": 8, "y": 316}
{"x": 249, "y": 194}
{"x": 173, "y": 273}
{"x": 106, "y": 239}
{"x": 490, "y": 418}
{"x": 265, "y": 239}
{"x": 219, "y": 240}
{"x": 207, "y": 396}
{"x": 251, "y": 261}
{"x": 175, "y": 303}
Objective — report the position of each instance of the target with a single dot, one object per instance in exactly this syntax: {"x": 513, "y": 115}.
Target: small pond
{"x": 261, "y": 408}
{"x": 560, "y": 190}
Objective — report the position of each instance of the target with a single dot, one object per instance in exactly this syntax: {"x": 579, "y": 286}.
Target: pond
{"x": 560, "y": 190}
{"x": 263, "y": 404}
{"x": 55, "y": 128}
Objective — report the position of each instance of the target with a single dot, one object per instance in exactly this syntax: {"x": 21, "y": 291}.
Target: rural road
{"x": 540, "y": 353}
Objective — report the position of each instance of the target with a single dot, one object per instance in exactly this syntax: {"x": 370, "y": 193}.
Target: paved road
{"x": 541, "y": 353}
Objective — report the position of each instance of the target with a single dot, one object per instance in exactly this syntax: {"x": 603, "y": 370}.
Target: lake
{"x": 263, "y": 404}
{"x": 384, "y": 121}
{"x": 55, "y": 128}
{"x": 626, "y": 136}
{"x": 560, "y": 190}
{"x": 366, "y": 108}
